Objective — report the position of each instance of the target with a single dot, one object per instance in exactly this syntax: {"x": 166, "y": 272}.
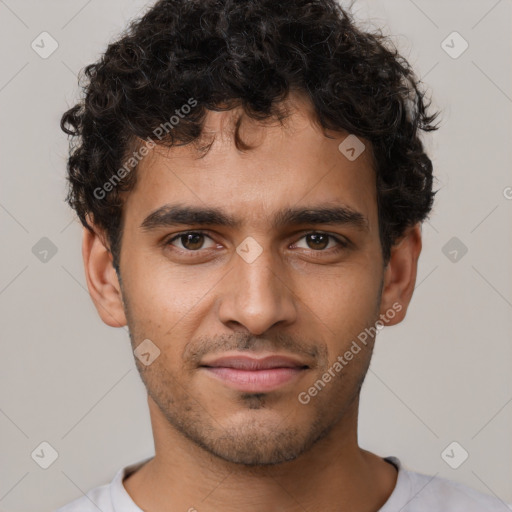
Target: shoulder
{"x": 97, "y": 498}
{"x": 453, "y": 496}
{"x": 108, "y": 497}
{"x": 428, "y": 493}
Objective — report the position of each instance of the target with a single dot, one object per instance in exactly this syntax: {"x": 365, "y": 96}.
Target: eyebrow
{"x": 173, "y": 215}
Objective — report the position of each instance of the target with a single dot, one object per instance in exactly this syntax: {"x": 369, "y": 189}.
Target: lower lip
{"x": 255, "y": 380}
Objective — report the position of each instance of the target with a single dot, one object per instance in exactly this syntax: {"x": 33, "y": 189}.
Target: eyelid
{"x": 341, "y": 241}
{"x": 175, "y": 236}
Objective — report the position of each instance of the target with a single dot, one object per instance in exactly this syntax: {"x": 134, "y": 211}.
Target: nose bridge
{"x": 257, "y": 297}
{"x": 259, "y": 278}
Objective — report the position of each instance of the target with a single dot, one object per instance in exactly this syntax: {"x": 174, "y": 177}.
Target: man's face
{"x": 305, "y": 295}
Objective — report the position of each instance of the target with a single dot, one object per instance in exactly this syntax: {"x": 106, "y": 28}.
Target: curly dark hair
{"x": 251, "y": 54}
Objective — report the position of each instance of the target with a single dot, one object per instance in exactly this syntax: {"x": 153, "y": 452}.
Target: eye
{"x": 321, "y": 241}
{"x": 191, "y": 241}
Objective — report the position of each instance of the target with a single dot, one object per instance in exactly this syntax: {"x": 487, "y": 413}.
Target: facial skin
{"x": 300, "y": 297}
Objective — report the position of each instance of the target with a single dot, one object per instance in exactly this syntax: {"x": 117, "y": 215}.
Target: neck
{"x": 333, "y": 475}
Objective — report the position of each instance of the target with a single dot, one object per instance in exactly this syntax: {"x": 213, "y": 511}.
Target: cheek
{"x": 344, "y": 299}
{"x": 166, "y": 292}
{"x": 168, "y": 306}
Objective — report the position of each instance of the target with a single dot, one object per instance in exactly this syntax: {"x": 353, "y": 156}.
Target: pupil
{"x": 192, "y": 241}
{"x": 317, "y": 242}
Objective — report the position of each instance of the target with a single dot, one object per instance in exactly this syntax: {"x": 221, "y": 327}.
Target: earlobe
{"x": 101, "y": 278}
{"x": 400, "y": 274}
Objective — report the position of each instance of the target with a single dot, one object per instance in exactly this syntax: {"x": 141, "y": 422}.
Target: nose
{"x": 257, "y": 295}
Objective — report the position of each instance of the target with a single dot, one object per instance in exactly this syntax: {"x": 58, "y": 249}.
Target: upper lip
{"x": 251, "y": 363}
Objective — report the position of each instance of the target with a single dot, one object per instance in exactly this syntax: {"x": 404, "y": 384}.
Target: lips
{"x": 256, "y": 375}
{"x": 255, "y": 364}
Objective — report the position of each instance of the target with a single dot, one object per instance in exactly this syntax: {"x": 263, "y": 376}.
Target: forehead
{"x": 288, "y": 165}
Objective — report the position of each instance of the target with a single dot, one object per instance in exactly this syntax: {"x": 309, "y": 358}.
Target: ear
{"x": 101, "y": 278}
{"x": 400, "y": 275}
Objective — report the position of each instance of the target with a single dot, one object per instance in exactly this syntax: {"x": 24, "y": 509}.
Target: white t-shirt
{"x": 414, "y": 492}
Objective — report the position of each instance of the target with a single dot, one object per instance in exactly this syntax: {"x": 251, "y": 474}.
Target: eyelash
{"x": 342, "y": 244}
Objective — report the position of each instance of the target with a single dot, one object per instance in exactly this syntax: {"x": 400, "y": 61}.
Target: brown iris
{"x": 317, "y": 240}
{"x": 192, "y": 241}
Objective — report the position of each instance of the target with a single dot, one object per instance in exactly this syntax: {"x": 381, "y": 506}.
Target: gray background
{"x": 441, "y": 376}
